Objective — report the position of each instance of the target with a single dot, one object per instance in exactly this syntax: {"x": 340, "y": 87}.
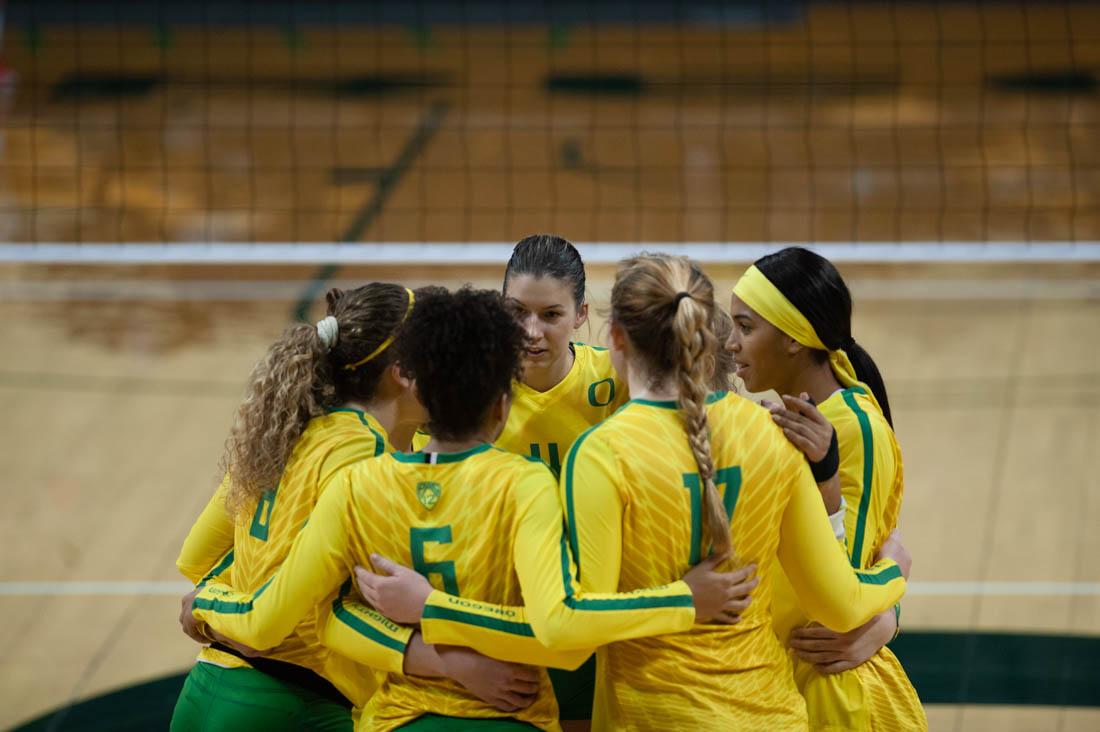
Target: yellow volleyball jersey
{"x": 878, "y": 694}
{"x": 633, "y": 498}
{"x": 486, "y": 526}
{"x": 262, "y": 541}
{"x": 544, "y": 424}
{"x": 871, "y": 476}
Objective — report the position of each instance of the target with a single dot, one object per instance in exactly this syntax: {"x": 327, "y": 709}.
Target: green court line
{"x": 369, "y": 213}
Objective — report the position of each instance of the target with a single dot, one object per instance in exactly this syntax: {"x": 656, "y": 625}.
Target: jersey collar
{"x": 439, "y": 458}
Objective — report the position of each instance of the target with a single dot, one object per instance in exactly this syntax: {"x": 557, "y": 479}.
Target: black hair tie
{"x": 679, "y": 296}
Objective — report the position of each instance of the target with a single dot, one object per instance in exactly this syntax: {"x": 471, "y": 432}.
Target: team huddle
{"x": 441, "y": 512}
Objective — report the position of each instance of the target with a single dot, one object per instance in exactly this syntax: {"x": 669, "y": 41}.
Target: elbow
{"x": 842, "y": 617}
{"x": 258, "y": 640}
{"x": 549, "y": 632}
{"x": 556, "y": 632}
{"x": 553, "y": 634}
{"x": 841, "y": 621}
{"x": 192, "y": 573}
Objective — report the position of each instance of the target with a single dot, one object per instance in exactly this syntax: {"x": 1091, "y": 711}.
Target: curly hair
{"x": 464, "y": 349}
{"x": 665, "y": 304}
{"x": 299, "y": 378}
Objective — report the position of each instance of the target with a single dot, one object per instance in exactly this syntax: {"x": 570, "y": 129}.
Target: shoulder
{"x": 498, "y": 460}
{"x": 727, "y": 406}
{"x": 519, "y": 474}
{"x": 595, "y": 361}
{"x": 750, "y": 427}
{"x": 855, "y": 417}
{"x": 596, "y": 443}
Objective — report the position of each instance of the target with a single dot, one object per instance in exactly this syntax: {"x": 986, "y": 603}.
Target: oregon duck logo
{"x": 428, "y": 493}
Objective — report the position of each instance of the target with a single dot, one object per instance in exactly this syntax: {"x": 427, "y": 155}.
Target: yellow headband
{"x": 758, "y": 292}
{"x": 386, "y": 343}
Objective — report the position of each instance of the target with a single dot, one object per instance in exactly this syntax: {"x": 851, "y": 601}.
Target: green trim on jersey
{"x": 441, "y": 458}
{"x": 351, "y": 620}
{"x": 223, "y": 565}
{"x": 634, "y": 603}
{"x": 881, "y": 577}
{"x": 379, "y": 441}
{"x": 231, "y": 608}
{"x": 713, "y": 397}
{"x": 460, "y": 616}
{"x": 868, "y": 474}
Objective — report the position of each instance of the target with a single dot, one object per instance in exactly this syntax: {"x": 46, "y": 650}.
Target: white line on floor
{"x": 161, "y": 290}
{"x": 498, "y": 252}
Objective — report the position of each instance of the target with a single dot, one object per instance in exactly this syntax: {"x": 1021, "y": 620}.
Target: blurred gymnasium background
{"x": 180, "y": 180}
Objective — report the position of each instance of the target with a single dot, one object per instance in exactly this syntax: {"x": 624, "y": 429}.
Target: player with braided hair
{"x": 647, "y": 494}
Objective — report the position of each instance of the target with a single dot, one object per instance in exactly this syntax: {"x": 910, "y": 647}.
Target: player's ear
{"x": 582, "y": 316}
{"x": 618, "y": 337}
{"x": 401, "y": 378}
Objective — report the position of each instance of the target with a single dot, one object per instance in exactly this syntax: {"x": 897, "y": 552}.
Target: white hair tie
{"x": 328, "y": 330}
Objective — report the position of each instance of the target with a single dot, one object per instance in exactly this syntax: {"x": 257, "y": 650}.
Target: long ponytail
{"x": 666, "y": 304}
{"x": 697, "y": 347}
{"x": 867, "y": 372}
{"x": 814, "y": 286}
{"x": 288, "y": 387}
{"x": 300, "y": 377}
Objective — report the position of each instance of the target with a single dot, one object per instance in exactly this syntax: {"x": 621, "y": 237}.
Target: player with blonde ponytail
{"x": 647, "y": 495}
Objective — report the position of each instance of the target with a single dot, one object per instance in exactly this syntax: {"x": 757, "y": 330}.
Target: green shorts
{"x": 575, "y": 690}
{"x": 216, "y": 698}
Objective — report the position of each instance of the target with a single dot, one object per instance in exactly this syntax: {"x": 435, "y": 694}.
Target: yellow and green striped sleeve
{"x": 319, "y": 561}
{"x": 209, "y": 540}
{"x": 556, "y": 613}
{"x": 354, "y": 630}
{"x": 829, "y": 589}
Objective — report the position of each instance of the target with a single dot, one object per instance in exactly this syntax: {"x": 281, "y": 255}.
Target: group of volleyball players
{"x": 433, "y": 497}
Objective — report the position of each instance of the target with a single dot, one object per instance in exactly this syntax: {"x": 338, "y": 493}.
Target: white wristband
{"x": 837, "y": 520}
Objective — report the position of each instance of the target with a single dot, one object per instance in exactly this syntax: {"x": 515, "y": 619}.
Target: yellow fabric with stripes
{"x": 633, "y": 502}
{"x": 877, "y": 695}
{"x": 872, "y": 484}
{"x": 259, "y": 544}
{"x": 545, "y": 424}
{"x": 486, "y": 526}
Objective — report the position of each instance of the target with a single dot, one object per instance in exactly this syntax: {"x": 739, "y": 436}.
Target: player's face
{"x": 759, "y": 349}
{"x": 544, "y": 307}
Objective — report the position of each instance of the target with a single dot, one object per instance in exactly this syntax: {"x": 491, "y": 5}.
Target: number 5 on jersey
{"x": 731, "y": 478}
{"x": 446, "y": 570}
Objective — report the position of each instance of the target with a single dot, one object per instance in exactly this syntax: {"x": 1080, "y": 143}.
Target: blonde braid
{"x": 696, "y": 364}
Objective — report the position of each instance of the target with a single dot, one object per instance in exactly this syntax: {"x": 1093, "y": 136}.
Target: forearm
{"x": 354, "y": 630}
{"x": 829, "y": 589}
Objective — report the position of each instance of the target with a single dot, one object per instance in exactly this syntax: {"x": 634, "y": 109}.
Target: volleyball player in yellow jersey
{"x": 485, "y": 522}
{"x": 566, "y": 387}
{"x": 642, "y": 500}
{"x": 793, "y": 334}
{"x": 322, "y": 398}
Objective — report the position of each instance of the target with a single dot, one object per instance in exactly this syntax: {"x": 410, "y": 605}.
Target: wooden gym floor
{"x": 117, "y": 406}
{"x": 119, "y": 381}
